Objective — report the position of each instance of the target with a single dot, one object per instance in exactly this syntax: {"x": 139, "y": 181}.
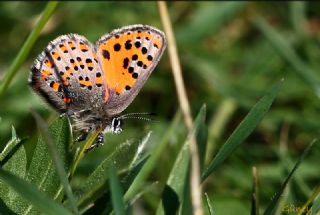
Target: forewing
{"x": 127, "y": 57}
{"x": 67, "y": 74}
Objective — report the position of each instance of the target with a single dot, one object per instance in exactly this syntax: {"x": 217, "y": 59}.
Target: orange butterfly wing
{"x": 127, "y": 56}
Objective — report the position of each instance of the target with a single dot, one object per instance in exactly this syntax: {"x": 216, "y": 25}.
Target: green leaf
{"x": 243, "y": 130}
{"x": 121, "y": 159}
{"x": 17, "y": 166}
{"x": 175, "y": 191}
{"x": 60, "y": 168}
{"x": 42, "y": 171}
{"x": 27, "y": 46}
{"x": 30, "y": 192}
{"x": 272, "y": 205}
{"x": 116, "y": 192}
{"x": 5, "y": 209}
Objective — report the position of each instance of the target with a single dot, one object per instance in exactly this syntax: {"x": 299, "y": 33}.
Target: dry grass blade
{"x": 184, "y": 104}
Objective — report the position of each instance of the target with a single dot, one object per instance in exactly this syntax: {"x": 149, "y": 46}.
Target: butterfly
{"x": 94, "y": 84}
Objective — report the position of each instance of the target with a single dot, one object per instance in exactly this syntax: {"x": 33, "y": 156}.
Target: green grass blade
{"x": 202, "y": 138}
{"x": 176, "y": 181}
{"x": 314, "y": 200}
{"x": 153, "y": 159}
{"x": 217, "y": 124}
{"x": 283, "y": 47}
{"x": 243, "y": 130}
{"x": 116, "y": 192}
{"x": 209, "y": 204}
{"x": 272, "y": 205}
{"x": 215, "y": 14}
{"x": 298, "y": 16}
{"x": 30, "y": 192}
{"x": 95, "y": 185}
{"x": 57, "y": 160}
{"x": 174, "y": 191}
{"x": 27, "y": 46}
{"x": 126, "y": 181}
{"x": 316, "y": 204}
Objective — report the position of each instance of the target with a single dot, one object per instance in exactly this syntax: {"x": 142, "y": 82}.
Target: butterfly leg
{"x": 62, "y": 115}
{"x": 99, "y": 142}
{"x": 82, "y": 136}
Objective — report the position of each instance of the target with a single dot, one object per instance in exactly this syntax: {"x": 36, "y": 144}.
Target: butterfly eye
{"x": 117, "y": 125}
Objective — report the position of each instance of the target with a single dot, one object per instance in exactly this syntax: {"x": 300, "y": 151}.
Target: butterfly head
{"x": 117, "y": 122}
{"x": 116, "y": 125}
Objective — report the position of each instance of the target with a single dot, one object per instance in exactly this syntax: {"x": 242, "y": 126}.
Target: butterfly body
{"x": 94, "y": 84}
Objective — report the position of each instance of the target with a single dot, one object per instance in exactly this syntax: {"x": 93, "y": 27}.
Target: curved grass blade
{"x": 272, "y": 205}
{"x": 30, "y": 192}
{"x": 116, "y": 192}
{"x": 57, "y": 160}
{"x": 248, "y": 124}
{"x": 27, "y": 46}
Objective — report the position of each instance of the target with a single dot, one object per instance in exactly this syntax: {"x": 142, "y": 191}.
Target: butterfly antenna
{"x": 138, "y": 114}
{"x": 137, "y": 117}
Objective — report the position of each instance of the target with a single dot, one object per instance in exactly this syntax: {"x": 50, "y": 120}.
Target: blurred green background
{"x": 231, "y": 53}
